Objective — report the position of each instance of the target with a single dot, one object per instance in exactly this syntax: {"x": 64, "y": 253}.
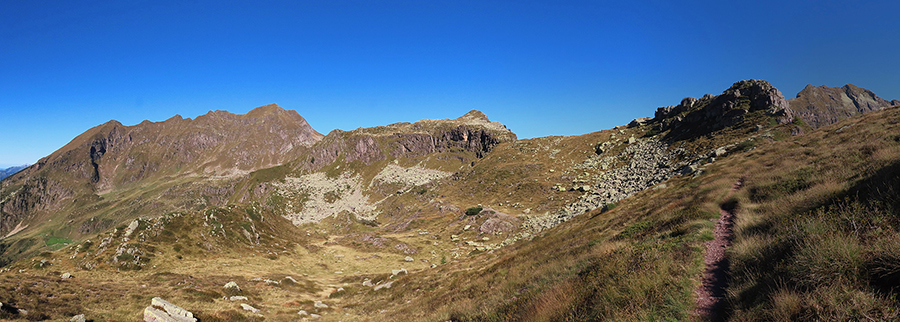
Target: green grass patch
{"x": 55, "y": 243}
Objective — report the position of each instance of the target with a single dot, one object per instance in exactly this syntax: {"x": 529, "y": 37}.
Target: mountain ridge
{"x": 11, "y": 170}
{"x": 453, "y": 219}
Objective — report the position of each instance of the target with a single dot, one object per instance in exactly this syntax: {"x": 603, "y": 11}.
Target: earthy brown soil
{"x": 711, "y": 293}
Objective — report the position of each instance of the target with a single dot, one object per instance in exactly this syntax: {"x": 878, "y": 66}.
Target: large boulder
{"x": 162, "y": 311}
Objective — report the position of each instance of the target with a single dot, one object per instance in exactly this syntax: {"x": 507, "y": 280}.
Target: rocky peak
{"x": 474, "y": 115}
{"x": 819, "y": 106}
{"x": 711, "y": 113}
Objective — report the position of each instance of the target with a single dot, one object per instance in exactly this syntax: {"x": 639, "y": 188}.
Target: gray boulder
{"x": 247, "y": 307}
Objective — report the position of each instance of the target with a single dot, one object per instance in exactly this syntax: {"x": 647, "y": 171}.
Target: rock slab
{"x": 162, "y": 311}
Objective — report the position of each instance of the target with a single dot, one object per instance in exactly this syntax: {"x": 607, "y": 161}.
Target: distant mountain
{"x": 819, "y": 106}
{"x": 11, "y": 170}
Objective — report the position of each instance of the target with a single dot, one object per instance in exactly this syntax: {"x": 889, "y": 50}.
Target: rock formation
{"x": 694, "y": 117}
{"x": 472, "y": 132}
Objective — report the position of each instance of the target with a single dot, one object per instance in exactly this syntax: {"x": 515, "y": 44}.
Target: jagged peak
{"x": 853, "y": 87}
{"x": 175, "y": 118}
{"x": 474, "y": 115}
{"x": 710, "y": 113}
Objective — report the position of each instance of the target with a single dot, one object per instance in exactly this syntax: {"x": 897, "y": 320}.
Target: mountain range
{"x": 11, "y": 170}
{"x": 260, "y": 217}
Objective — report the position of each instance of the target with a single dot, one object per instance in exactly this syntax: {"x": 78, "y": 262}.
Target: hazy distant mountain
{"x": 11, "y": 170}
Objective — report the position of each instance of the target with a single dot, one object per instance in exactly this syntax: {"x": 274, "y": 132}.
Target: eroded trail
{"x": 711, "y": 293}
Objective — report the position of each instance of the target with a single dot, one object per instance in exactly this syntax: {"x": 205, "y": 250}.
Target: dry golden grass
{"x": 819, "y": 210}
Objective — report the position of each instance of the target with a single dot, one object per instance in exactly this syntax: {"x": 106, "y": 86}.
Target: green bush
{"x": 473, "y": 211}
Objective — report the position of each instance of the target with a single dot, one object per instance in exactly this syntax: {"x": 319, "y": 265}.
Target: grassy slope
{"x": 817, "y": 237}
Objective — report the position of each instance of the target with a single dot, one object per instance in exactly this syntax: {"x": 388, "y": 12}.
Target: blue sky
{"x": 540, "y": 67}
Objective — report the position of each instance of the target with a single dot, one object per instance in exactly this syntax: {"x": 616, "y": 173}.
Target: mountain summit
{"x": 819, "y": 106}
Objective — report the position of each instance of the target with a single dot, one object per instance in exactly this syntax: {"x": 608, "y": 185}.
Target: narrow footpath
{"x": 711, "y": 293}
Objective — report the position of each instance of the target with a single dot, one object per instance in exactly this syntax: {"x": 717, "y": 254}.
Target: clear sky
{"x": 540, "y": 67}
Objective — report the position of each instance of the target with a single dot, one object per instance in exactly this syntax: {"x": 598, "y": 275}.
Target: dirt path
{"x": 711, "y": 293}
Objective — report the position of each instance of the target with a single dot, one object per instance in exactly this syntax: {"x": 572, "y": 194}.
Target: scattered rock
{"x": 499, "y": 223}
{"x": 638, "y": 121}
{"x": 396, "y": 272}
{"x": 237, "y": 298}
{"x": 247, "y": 307}
{"x": 232, "y": 287}
{"x": 413, "y": 176}
{"x": 320, "y": 305}
{"x": 381, "y": 286}
{"x": 315, "y": 316}
{"x": 720, "y": 152}
{"x": 688, "y": 169}
{"x": 368, "y": 283}
{"x": 408, "y": 259}
{"x": 78, "y": 318}
{"x": 162, "y": 311}
{"x": 303, "y": 313}
{"x": 647, "y": 163}
{"x": 66, "y": 276}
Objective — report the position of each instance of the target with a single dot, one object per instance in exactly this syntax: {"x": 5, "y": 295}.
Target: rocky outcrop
{"x": 694, "y": 117}
{"x": 35, "y": 194}
{"x": 472, "y": 133}
{"x": 819, "y": 106}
